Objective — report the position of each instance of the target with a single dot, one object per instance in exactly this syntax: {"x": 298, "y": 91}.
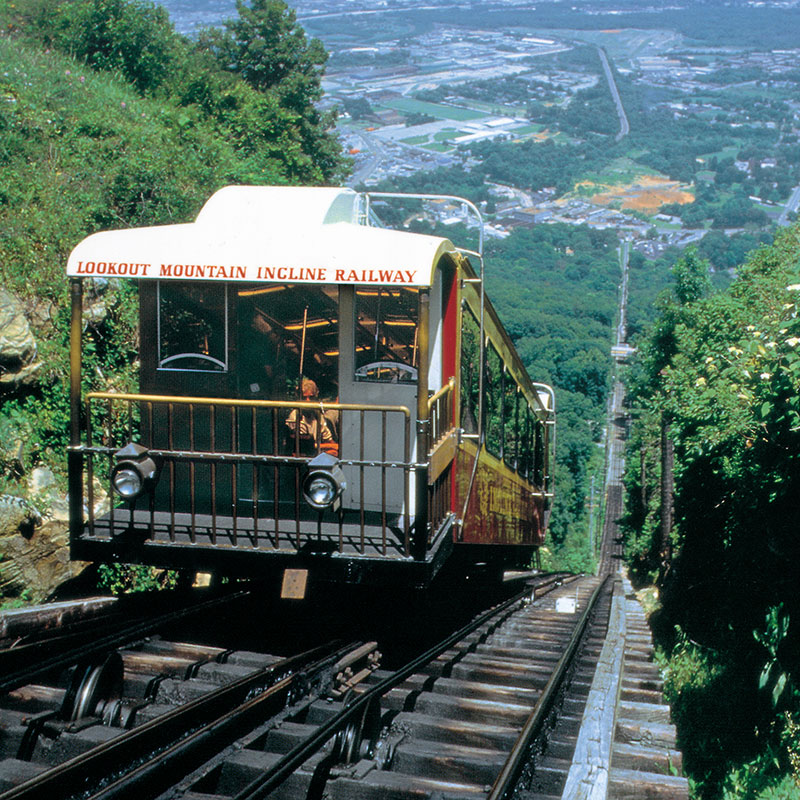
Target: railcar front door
{"x": 187, "y": 340}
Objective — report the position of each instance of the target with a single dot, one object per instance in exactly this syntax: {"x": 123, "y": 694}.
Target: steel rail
{"x": 212, "y": 719}
{"x": 18, "y": 666}
{"x": 274, "y": 777}
{"x": 509, "y": 775}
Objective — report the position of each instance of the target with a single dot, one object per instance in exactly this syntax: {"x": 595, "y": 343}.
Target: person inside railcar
{"x": 309, "y": 431}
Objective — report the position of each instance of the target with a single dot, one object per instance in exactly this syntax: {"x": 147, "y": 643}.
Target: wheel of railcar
{"x": 357, "y": 739}
{"x": 95, "y": 689}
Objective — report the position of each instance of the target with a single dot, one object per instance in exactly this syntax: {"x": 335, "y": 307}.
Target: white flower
{"x": 794, "y": 287}
{"x": 765, "y": 376}
{"x": 793, "y": 342}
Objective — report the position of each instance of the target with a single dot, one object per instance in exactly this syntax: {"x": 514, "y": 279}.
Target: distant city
{"x": 415, "y": 93}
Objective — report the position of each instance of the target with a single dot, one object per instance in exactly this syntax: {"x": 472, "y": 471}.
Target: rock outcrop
{"x": 34, "y": 545}
{"x": 18, "y": 362}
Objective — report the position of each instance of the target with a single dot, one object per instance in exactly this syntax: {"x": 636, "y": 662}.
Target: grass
{"x": 408, "y": 105}
{"x": 622, "y": 171}
{"x": 438, "y": 148}
{"x": 496, "y": 109}
{"x": 415, "y": 140}
{"x": 528, "y": 129}
{"x": 731, "y": 151}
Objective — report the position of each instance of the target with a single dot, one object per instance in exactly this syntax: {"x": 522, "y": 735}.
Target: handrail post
{"x": 74, "y": 455}
{"x": 421, "y": 510}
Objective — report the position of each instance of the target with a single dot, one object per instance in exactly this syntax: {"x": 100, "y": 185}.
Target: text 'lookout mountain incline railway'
{"x": 217, "y": 272}
{"x": 340, "y": 405}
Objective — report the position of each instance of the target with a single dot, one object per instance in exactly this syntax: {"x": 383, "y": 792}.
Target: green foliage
{"x": 132, "y": 38}
{"x": 268, "y": 49}
{"x": 109, "y": 119}
{"x": 10, "y": 603}
{"x": 697, "y": 685}
{"x": 267, "y": 132}
{"x": 129, "y": 578}
{"x": 776, "y": 627}
{"x": 691, "y": 279}
{"x": 724, "y": 370}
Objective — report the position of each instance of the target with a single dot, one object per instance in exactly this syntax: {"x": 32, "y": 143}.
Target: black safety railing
{"x": 232, "y": 471}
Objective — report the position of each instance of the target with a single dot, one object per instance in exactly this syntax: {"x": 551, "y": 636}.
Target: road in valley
{"x": 624, "y": 126}
{"x": 791, "y": 206}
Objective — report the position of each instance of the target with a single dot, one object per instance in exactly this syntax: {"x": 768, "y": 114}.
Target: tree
{"x": 727, "y": 379}
{"x": 269, "y": 50}
{"x": 691, "y": 278}
{"x": 266, "y": 47}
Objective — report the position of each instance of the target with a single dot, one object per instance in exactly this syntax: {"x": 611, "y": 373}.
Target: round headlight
{"x": 320, "y": 491}
{"x": 127, "y": 482}
{"x": 324, "y": 483}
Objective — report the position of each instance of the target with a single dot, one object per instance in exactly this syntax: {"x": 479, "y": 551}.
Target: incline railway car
{"x": 320, "y": 398}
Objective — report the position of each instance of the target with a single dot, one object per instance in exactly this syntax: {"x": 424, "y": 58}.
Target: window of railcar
{"x": 538, "y": 454}
{"x": 192, "y": 326}
{"x": 520, "y": 422}
{"x": 494, "y": 401}
{"x": 510, "y": 420}
{"x": 386, "y": 343}
{"x": 470, "y": 371}
{"x": 287, "y": 333}
{"x": 526, "y": 440}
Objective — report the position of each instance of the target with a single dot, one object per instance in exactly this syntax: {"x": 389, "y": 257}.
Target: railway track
{"x": 144, "y": 716}
{"x": 497, "y": 708}
{"x": 168, "y": 718}
{"x": 122, "y": 715}
{"x": 47, "y": 640}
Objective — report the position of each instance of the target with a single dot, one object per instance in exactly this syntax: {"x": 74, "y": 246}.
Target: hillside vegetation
{"x": 718, "y": 384}
{"x": 109, "y": 119}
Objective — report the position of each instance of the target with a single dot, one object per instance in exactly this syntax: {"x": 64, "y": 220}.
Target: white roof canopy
{"x": 266, "y": 234}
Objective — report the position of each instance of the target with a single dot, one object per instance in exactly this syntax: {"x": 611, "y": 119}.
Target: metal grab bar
{"x": 235, "y": 403}
{"x": 448, "y": 387}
